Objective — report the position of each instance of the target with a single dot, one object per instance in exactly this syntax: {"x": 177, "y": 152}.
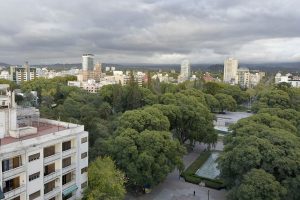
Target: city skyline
{"x": 149, "y": 31}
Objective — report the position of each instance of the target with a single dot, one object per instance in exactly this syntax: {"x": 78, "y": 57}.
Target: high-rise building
{"x": 39, "y": 158}
{"x": 185, "y": 71}
{"x": 24, "y": 73}
{"x": 230, "y": 71}
{"x": 87, "y": 65}
{"x": 244, "y": 77}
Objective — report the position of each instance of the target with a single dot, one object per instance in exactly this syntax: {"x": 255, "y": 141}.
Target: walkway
{"x": 174, "y": 189}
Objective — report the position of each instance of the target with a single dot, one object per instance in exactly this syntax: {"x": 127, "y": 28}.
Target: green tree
{"x": 148, "y": 118}
{"x": 105, "y": 181}
{"x": 212, "y": 102}
{"x": 259, "y": 185}
{"x": 146, "y": 157}
{"x": 226, "y": 102}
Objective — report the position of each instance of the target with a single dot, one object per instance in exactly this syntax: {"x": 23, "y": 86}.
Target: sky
{"x": 149, "y": 31}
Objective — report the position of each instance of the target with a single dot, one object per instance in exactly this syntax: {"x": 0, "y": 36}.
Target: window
{"x": 49, "y": 169}
{"x": 66, "y": 162}
{"x": 83, "y": 185}
{"x": 83, "y": 155}
{"x": 11, "y": 184}
{"x": 34, "y": 176}
{"x": 49, "y": 151}
{"x": 11, "y": 163}
{"x": 66, "y": 146}
{"x": 16, "y": 198}
{"x": 35, "y": 195}
{"x": 83, "y": 170}
{"x": 67, "y": 178}
{"x": 34, "y": 157}
{"x": 83, "y": 140}
{"x": 48, "y": 187}
{"x": 67, "y": 196}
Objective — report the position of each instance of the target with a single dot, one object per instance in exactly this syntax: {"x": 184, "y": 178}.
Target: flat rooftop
{"x": 42, "y": 129}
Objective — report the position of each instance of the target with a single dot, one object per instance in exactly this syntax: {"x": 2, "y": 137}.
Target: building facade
{"x": 39, "y": 158}
{"x": 244, "y": 77}
{"x": 294, "y": 81}
{"x": 230, "y": 71}
{"x": 185, "y": 71}
{"x": 87, "y": 65}
{"x": 24, "y": 73}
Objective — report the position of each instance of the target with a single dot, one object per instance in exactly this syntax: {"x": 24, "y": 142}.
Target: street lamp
{"x": 202, "y": 184}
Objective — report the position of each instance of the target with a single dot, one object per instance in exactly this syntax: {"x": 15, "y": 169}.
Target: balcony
{"x": 15, "y": 192}
{"x": 13, "y": 172}
{"x": 69, "y": 168}
{"x": 68, "y": 152}
{"x": 52, "y": 176}
{"x": 69, "y": 184}
{"x": 52, "y": 193}
{"x": 52, "y": 158}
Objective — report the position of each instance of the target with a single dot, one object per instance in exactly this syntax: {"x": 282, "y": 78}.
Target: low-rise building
{"x": 39, "y": 158}
{"x": 294, "y": 81}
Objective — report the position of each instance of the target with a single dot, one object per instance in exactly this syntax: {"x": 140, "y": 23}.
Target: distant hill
{"x": 4, "y": 64}
{"x": 267, "y": 67}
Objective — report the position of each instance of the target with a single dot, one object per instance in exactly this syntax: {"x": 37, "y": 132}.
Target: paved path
{"x": 174, "y": 189}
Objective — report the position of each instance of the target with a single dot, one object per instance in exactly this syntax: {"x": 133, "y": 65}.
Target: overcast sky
{"x": 149, "y": 31}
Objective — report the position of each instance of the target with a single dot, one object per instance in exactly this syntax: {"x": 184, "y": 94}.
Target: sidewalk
{"x": 174, "y": 189}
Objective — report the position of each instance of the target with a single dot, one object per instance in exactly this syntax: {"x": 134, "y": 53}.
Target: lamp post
{"x": 202, "y": 184}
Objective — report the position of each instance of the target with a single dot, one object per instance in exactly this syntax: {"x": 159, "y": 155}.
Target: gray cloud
{"x": 154, "y": 31}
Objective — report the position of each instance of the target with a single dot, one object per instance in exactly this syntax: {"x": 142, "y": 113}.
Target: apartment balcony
{"x": 68, "y": 152}
{"x": 52, "y": 193}
{"x": 52, "y": 158}
{"x": 67, "y": 185}
{"x": 69, "y": 168}
{"x": 13, "y": 172}
{"x": 52, "y": 176}
{"x": 15, "y": 192}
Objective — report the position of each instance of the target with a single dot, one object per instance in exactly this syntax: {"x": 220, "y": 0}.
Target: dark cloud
{"x": 155, "y": 31}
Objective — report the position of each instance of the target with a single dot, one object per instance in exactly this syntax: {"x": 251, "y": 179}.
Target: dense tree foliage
{"x": 258, "y": 185}
{"x": 262, "y": 153}
{"x": 105, "y": 181}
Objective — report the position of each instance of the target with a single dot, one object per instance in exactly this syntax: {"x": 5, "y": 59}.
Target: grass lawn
{"x": 190, "y": 176}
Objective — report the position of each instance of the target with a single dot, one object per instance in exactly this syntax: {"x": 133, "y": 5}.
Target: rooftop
{"x": 42, "y": 129}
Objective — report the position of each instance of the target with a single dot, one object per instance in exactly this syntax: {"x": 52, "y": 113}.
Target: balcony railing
{"x": 72, "y": 182}
{"x": 13, "y": 172}
{"x": 52, "y": 176}
{"x": 69, "y": 168}
{"x": 55, "y": 191}
{"x": 15, "y": 192}
{"x": 52, "y": 158}
{"x": 68, "y": 152}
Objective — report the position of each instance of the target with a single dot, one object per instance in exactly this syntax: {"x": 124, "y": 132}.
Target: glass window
{"x": 34, "y": 176}
{"x": 34, "y": 195}
{"x": 83, "y": 155}
{"x": 83, "y": 140}
{"x": 34, "y": 157}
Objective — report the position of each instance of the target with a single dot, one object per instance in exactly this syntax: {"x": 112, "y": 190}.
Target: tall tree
{"x": 105, "y": 181}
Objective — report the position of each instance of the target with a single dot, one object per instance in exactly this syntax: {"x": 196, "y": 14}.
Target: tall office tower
{"x": 39, "y": 158}
{"x": 185, "y": 70}
{"x": 87, "y": 65}
{"x": 97, "y": 71}
{"x": 230, "y": 71}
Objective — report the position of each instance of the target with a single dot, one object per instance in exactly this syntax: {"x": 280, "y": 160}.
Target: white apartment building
{"x": 39, "y": 158}
{"x": 230, "y": 71}
{"x": 185, "y": 71}
{"x": 288, "y": 78}
{"x": 4, "y": 75}
{"x": 243, "y": 77}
